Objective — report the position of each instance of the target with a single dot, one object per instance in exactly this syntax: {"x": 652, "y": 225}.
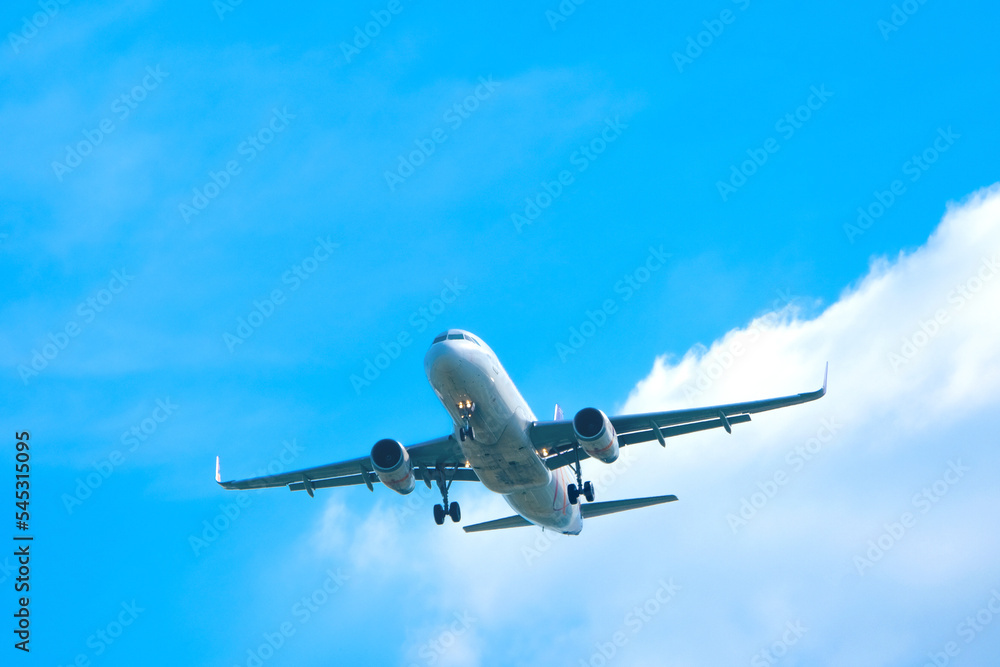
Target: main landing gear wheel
{"x": 573, "y": 493}
{"x": 454, "y": 511}
{"x": 445, "y": 509}
{"x": 588, "y": 491}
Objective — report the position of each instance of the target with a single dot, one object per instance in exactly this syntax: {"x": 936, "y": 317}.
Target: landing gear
{"x": 465, "y": 411}
{"x": 586, "y": 488}
{"x": 454, "y": 511}
{"x": 574, "y": 495}
{"x": 444, "y": 509}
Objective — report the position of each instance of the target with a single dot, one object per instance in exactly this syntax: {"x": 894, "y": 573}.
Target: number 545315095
{"x": 23, "y": 469}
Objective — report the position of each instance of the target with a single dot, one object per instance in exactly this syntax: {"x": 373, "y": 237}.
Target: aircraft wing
{"x": 558, "y": 438}
{"x": 426, "y": 457}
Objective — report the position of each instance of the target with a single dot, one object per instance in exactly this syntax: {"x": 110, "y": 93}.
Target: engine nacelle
{"x": 596, "y": 435}
{"x": 392, "y": 464}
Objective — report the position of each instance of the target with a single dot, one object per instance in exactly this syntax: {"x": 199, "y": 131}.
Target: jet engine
{"x": 596, "y": 435}
{"x": 392, "y": 464}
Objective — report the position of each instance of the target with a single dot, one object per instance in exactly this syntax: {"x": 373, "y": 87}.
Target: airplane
{"x": 534, "y": 465}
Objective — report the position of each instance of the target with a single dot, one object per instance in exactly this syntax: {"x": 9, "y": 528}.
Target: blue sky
{"x": 281, "y": 138}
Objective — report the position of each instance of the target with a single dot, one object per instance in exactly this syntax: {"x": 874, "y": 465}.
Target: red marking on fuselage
{"x": 560, "y": 490}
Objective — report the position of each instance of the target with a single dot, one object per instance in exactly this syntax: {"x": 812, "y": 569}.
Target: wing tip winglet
{"x": 826, "y": 374}
{"x": 218, "y": 475}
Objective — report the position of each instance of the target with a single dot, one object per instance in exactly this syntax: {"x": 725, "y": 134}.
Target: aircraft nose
{"x": 441, "y": 362}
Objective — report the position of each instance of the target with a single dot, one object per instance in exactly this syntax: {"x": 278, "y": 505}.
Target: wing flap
{"x": 443, "y": 452}
{"x": 346, "y": 480}
{"x": 568, "y": 457}
{"x": 669, "y": 431}
{"x": 422, "y": 474}
{"x": 558, "y": 435}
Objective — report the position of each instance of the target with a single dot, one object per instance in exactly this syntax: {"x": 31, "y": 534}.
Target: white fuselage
{"x": 501, "y": 452}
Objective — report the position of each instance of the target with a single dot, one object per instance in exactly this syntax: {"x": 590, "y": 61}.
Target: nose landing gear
{"x": 465, "y": 411}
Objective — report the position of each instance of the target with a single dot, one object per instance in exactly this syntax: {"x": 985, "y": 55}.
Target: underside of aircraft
{"x": 535, "y": 465}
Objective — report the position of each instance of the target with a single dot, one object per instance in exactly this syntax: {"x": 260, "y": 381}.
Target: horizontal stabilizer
{"x": 515, "y": 521}
{"x": 589, "y": 510}
{"x": 612, "y": 506}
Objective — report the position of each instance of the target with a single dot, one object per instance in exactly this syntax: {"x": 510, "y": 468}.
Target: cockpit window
{"x": 456, "y": 336}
